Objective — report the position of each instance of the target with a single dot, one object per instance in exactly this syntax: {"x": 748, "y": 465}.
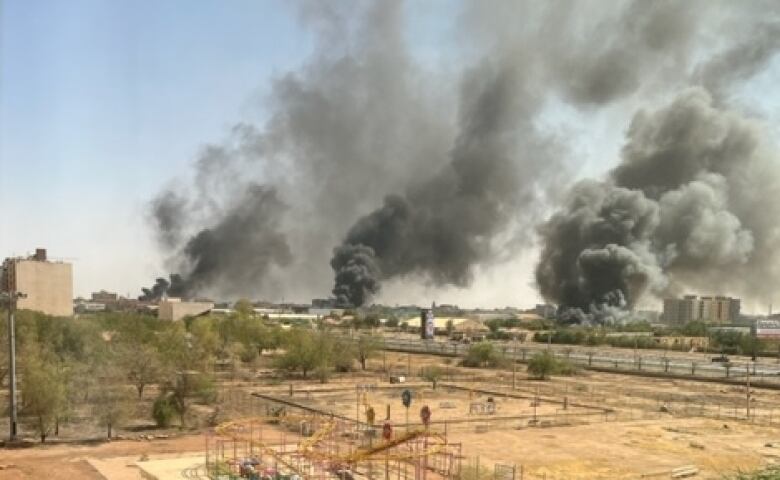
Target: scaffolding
{"x": 292, "y": 446}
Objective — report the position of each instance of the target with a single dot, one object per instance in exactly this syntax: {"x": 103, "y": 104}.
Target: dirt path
{"x": 69, "y": 462}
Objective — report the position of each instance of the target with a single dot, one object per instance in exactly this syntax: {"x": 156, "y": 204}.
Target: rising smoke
{"x": 429, "y": 174}
{"x": 688, "y": 206}
{"x": 444, "y": 226}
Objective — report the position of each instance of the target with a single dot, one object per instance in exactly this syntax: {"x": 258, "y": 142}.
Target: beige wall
{"x": 48, "y": 286}
{"x": 176, "y": 309}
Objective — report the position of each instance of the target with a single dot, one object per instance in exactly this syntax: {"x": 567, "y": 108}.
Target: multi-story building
{"x": 47, "y": 286}
{"x": 710, "y": 309}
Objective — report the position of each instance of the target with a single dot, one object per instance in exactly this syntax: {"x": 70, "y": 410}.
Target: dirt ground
{"x": 70, "y": 461}
{"x": 652, "y": 427}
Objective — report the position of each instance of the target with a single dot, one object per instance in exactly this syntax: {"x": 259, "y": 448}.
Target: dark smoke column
{"x": 686, "y": 209}
{"x": 441, "y": 228}
{"x": 595, "y": 256}
{"x": 356, "y": 275}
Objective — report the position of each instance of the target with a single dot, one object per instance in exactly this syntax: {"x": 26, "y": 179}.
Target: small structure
{"x": 176, "y": 309}
{"x": 483, "y": 408}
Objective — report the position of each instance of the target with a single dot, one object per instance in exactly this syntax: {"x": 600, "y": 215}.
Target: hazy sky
{"x": 104, "y": 103}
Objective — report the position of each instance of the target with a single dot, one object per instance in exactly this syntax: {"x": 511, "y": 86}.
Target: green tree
{"x": 162, "y": 410}
{"x": 542, "y": 365}
{"x": 110, "y": 404}
{"x": 244, "y": 308}
{"x": 368, "y": 346}
{"x": 694, "y": 328}
{"x": 344, "y": 354}
{"x": 303, "y": 352}
{"x": 184, "y": 389}
{"x": 141, "y": 364}
{"x": 483, "y": 354}
{"x": 432, "y": 374}
{"x": 44, "y": 394}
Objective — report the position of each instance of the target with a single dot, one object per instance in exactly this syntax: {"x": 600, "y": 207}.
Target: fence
{"x": 761, "y": 373}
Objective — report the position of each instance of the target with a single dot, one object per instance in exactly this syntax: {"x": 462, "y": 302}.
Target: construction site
{"x": 476, "y": 424}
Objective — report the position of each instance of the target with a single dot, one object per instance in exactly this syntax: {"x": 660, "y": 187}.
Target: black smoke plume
{"x": 443, "y": 227}
{"x": 432, "y": 166}
{"x": 174, "y": 287}
{"x": 688, "y": 207}
{"x": 234, "y": 253}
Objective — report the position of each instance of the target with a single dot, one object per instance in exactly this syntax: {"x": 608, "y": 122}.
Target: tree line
{"x": 102, "y": 365}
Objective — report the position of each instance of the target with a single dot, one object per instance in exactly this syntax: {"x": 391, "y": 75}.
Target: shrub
{"x": 432, "y": 374}
{"x": 248, "y": 353}
{"x": 542, "y": 365}
{"x": 770, "y": 473}
{"x": 163, "y": 410}
{"x": 483, "y": 354}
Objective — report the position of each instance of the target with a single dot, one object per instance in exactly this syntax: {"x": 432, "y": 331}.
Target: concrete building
{"x": 48, "y": 285}
{"x": 545, "y": 310}
{"x": 176, "y": 309}
{"x": 709, "y": 309}
{"x": 104, "y": 297}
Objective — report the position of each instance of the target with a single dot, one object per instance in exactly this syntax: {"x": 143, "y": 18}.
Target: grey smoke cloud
{"x": 238, "y": 252}
{"x": 744, "y": 58}
{"x": 412, "y": 170}
{"x": 169, "y": 216}
{"x": 684, "y": 209}
{"x": 597, "y": 248}
{"x": 441, "y": 228}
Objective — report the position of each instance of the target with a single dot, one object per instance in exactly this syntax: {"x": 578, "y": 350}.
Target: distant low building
{"x": 323, "y": 303}
{"x": 104, "y": 297}
{"x": 86, "y": 307}
{"x": 529, "y": 317}
{"x": 468, "y": 328}
{"x": 176, "y": 309}
{"x": 47, "y": 285}
{"x": 545, "y": 310}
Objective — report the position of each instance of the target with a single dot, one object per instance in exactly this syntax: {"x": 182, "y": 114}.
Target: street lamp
{"x": 11, "y": 298}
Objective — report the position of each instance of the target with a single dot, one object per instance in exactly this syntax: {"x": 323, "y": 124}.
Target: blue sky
{"x": 101, "y": 103}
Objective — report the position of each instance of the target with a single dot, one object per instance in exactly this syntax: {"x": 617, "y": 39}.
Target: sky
{"x": 103, "y": 104}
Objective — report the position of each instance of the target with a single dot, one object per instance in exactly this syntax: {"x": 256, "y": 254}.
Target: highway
{"x": 637, "y": 361}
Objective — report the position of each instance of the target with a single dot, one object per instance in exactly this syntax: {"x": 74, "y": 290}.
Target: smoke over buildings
{"x": 394, "y": 168}
{"x": 690, "y": 205}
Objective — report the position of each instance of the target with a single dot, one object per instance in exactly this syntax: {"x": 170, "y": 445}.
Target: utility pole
{"x": 514, "y": 363}
{"x": 747, "y": 406}
{"x": 12, "y": 296}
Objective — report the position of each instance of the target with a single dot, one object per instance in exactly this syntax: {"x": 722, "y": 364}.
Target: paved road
{"x": 673, "y": 363}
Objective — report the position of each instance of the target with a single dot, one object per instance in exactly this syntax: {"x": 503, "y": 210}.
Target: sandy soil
{"x": 69, "y": 462}
{"x": 701, "y": 424}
